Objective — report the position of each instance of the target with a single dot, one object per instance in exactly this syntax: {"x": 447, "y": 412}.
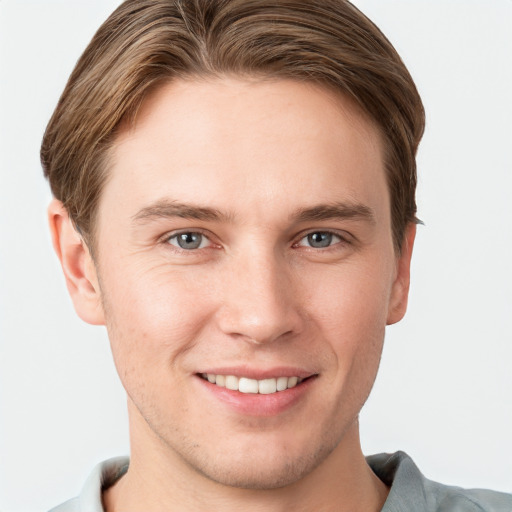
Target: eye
{"x": 189, "y": 240}
{"x": 320, "y": 240}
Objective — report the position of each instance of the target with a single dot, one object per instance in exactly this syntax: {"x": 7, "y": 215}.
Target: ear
{"x": 400, "y": 288}
{"x": 77, "y": 265}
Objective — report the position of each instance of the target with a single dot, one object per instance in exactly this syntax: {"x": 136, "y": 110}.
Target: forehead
{"x": 211, "y": 142}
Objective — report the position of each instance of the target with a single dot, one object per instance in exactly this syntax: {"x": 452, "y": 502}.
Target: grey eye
{"x": 320, "y": 239}
{"x": 189, "y": 240}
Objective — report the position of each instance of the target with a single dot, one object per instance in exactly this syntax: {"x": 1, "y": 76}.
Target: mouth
{"x": 257, "y": 392}
{"x": 247, "y": 385}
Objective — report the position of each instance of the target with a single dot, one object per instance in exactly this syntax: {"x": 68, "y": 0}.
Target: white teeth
{"x": 246, "y": 385}
{"x": 292, "y": 382}
{"x": 282, "y": 383}
{"x": 267, "y": 386}
{"x": 232, "y": 382}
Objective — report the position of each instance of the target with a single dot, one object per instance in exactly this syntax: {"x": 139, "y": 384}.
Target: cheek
{"x": 352, "y": 299}
{"x": 351, "y": 312}
{"x": 153, "y": 316}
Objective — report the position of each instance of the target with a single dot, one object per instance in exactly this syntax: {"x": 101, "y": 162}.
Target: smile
{"x": 247, "y": 385}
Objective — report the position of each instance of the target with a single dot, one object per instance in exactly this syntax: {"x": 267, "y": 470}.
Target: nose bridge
{"x": 259, "y": 304}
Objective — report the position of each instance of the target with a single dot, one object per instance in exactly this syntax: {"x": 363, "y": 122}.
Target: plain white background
{"x": 445, "y": 386}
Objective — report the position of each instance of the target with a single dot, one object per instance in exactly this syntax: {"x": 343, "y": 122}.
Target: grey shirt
{"x": 410, "y": 490}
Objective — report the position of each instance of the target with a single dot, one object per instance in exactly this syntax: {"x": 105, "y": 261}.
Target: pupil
{"x": 189, "y": 240}
{"x": 320, "y": 239}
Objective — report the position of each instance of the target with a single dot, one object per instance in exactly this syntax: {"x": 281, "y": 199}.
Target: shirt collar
{"x": 102, "y": 477}
{"x": 396, "y": 470}
{"x": 399, "y": 472}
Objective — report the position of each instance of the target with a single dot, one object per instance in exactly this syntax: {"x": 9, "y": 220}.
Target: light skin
{"x": 244, "y": 230}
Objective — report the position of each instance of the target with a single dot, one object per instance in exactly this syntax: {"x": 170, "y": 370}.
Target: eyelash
{"x": 167, "y": 240}
{"x": 341, "y": 240}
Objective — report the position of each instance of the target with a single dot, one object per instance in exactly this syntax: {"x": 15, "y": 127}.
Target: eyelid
{"x": 172, "y": 234}
{"x": 344, "y": 237}
{"x": 335, "y": 239}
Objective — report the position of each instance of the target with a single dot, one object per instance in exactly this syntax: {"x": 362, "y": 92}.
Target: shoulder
{"x": 410, "y": 490}
{"x": 448, "y": 498}
{"x": 478, "y": 500}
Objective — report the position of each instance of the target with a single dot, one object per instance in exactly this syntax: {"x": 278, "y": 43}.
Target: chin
{"x": 263, "y": 468}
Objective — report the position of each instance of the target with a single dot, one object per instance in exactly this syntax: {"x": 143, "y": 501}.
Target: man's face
{"x": 245, "y": 232}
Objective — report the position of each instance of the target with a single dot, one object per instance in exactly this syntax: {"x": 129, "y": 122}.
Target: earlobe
{"x": 400, "y": 290}
{"x": 77, "y": 265}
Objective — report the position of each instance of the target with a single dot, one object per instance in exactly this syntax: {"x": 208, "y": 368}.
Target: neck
{"x": 160, "y": 480}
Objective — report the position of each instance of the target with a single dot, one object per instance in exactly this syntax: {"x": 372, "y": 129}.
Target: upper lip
{"x": 259, "y": 373}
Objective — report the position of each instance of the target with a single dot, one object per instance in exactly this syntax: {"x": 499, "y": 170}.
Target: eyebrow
{"x": 165, "y": 208}
{"x": 334, "y": 211}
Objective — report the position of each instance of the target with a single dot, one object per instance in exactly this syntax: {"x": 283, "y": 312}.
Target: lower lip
{"x": 255, "y": 404}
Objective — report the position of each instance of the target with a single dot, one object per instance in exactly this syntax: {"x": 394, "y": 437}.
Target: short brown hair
{"x": 147, "y": 42}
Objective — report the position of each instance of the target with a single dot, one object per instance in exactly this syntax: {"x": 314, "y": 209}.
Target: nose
{"x": 258, "y": 302}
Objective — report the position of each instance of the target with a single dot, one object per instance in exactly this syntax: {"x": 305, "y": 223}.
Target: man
{"x": 234, "y": 199}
